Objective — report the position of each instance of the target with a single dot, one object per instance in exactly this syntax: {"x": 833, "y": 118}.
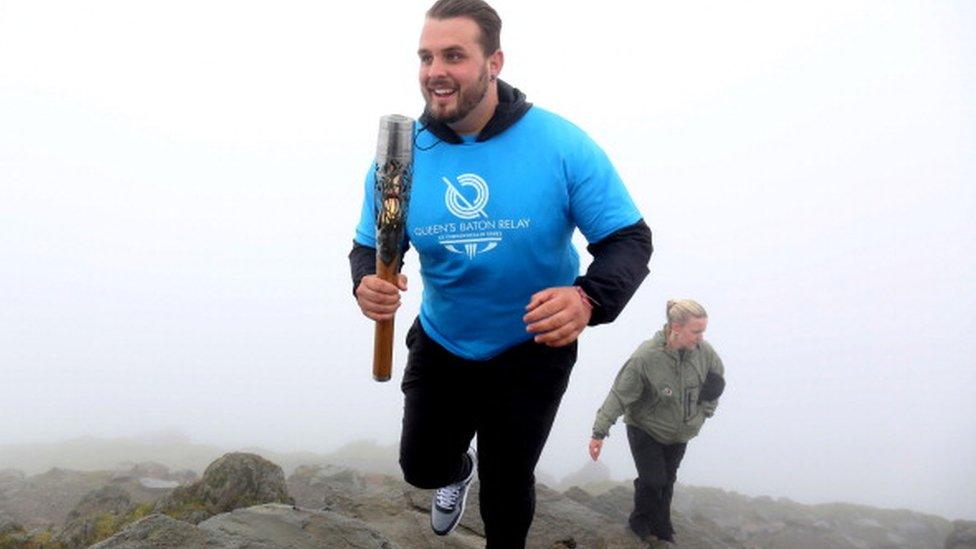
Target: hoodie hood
{"x": 512, "y": 106}
{"x": 660, "y": 341}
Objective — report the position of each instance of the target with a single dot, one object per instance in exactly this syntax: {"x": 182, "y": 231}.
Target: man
{"x": 498, "y": 188}
{"x": 669, "y": 386}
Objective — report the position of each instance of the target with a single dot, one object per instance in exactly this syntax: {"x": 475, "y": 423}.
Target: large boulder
{"x": 234, "y": 481}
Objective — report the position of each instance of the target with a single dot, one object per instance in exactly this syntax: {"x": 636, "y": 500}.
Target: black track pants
{"x": 509, "y": 401}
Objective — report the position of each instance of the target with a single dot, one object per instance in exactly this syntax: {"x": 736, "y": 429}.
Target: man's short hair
{"x": 478, "y": 11}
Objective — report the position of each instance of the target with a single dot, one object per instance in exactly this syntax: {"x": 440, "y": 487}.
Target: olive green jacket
{"x": 657, "y": 391}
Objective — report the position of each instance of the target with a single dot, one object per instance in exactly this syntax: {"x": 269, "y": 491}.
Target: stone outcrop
{"x": 269, "y": 526}
{"x": 234, "y": 481}
{"x": 9, "y": 525}
{"x": 592, "y": 473}
{"x": 769, "y": 522}
{"x": 152, "y": 475}
{"x": 107, "y": 499}
{"x": 401, "y": 512}
{"x": 243, "y": 500}
{"x": 963, "y": 535}
{"x": 277, "y": 525}
{"x": 160, "y": 531}
{"x": 44, "y": 501}
{"x": 617, "y": 503}
{"x": 98, "y": 515}
{"x": 390, "y": 506}
{"x": 11, "y": 475}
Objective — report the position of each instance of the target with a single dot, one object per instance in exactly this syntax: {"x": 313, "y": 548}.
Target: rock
{"x": 275, "y": 525}
{"x": 963, "y": 535}
{"x": 542, "y": 477}
{"x": 8, "y": 525}
{"x": 162, "y": 532}
{"x": 155, "y": 476}
{"x": 151, "y": 469}
{"x": 157, "y": 484}
{"x": 401, "y": 512}
{"x": 98, "y": 515}
{"x": 561, "y": 522}
{"x": 185, "y": 476}
{"x": 592, "y": 473}
{"x": 224, "y": 508}
{"x": 367, "y": 456}
{"x": 146, "y": 469}
{"x": 234, "y": 481}
{"x": 269, "y": 526}
{"x": 20, "y": 540}
{"x": 617, "y": 503}
{"x": 45, "y": 500}
{"x": 107, "y": 499}
{"x": 10, "y": 476}
{"x": 390, "y": 506}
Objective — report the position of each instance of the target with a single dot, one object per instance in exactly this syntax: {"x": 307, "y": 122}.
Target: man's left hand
{"x": 557, "y": 315}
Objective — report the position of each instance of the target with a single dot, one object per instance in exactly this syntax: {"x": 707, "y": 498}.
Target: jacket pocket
{"x": 691, "y": 408}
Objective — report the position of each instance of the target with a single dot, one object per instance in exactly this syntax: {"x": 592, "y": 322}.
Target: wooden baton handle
{"x": 383, "y": 339}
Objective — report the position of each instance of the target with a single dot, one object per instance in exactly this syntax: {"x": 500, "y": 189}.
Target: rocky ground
{"x": 243, "y": 500}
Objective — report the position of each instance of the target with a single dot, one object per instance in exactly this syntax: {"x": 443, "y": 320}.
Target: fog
{"x": 179, "y": 183}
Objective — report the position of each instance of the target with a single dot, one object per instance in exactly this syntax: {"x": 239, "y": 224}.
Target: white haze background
{"x": 179, "y": 183}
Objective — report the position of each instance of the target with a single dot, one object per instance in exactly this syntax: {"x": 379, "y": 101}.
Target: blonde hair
{"x": 680, "y": 311}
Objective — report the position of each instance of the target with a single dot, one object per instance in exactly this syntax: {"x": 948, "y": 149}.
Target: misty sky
{"x": 179, "y": 182}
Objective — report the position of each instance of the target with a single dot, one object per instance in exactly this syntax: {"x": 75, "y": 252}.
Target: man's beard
{"x": 468, "y": 99}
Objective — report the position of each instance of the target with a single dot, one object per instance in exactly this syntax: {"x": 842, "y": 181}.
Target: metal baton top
{"x": 395, "y": 140}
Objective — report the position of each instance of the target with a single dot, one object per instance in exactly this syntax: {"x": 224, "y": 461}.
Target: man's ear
{"x": 495, "y": 63}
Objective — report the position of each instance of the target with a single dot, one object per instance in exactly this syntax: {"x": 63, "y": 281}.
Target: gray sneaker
{"x": 448, "y": 504}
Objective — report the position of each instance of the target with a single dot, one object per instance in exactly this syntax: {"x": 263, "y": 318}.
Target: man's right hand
{"x": 377, "y": 298}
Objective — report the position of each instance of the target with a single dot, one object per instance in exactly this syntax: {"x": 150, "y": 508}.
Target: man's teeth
{"x": 441, "y": 91}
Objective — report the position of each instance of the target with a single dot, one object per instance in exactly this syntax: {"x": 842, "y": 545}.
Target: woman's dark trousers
{"x": 657, "y": 469}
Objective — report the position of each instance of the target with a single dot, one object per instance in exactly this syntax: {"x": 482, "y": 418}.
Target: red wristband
{"x": 587, "y": 300}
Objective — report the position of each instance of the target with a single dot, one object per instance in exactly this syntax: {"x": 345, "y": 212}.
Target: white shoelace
{"x": 447, "y": 497}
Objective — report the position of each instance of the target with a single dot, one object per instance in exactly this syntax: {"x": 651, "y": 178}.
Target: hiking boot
{"x": 652, "y": 541}
{"x": 655, "y": 542}
{"x": 448, "y": 504}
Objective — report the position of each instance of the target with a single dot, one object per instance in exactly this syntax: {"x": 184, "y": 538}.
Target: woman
{"x": 665, "y": 391}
